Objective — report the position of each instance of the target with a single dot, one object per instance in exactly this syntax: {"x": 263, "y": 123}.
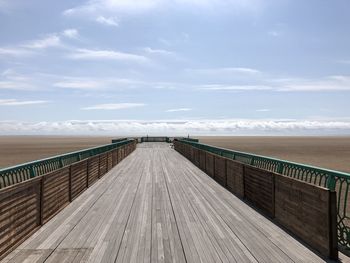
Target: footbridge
{"x": 170, "y": 200}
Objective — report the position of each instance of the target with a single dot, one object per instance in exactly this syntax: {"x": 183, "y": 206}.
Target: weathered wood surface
{"x": 93, "y": 169}
{"x": 220, "y": 170}
{"x": 302, "y": 209}
{"x": 55, "y": 193}
{"x": 78, "y": 178}
{"x": 259, "y": 188}
{"x": 235, "y": 177}
{"x": 156, "y": 206}
{"x": 19, "y": 213}
{"x": 103, "y": 164}
{"x": 209, "y": 164}
{"x": 202, "y": 160}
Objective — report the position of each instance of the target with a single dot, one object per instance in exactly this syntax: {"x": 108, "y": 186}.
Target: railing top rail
{"x": 2, "y": 170}
{"x": 325, "y": 170}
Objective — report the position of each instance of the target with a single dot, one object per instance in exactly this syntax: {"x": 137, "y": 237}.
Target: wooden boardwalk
{"x": 156, "y": 206}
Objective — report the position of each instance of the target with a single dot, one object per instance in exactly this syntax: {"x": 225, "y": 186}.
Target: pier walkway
{"x": 156, "y": 206}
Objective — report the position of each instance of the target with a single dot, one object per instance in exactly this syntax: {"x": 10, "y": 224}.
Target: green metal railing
{"x": 155, "y": 139}
{"x": 23, "y": 172}
{"x": 333, "y": 180}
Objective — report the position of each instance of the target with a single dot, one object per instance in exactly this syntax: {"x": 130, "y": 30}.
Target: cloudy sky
{"x": 174, "y": 67}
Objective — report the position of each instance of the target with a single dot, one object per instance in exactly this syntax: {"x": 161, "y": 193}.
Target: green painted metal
{"x": 330, "y": 179}
{"x": 118, "y": 140}
{"x": 26, "y": 171}
{"x": 155, "y": 139}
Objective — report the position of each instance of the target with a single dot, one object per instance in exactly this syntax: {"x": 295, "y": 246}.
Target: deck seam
{"x": 127, "y": 221}
{"x": 172, "y": 208}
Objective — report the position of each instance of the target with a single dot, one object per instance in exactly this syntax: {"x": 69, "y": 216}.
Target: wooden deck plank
{"x": 156, "y": 206}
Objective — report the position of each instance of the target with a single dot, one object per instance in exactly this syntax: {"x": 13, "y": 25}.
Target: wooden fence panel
{"x": 103, "y": 164}
{"x": 109, "y": 161}
{"x": 202, "y": 160}
{"x": 209, "y": 164}
{"x": 55, "y": 193}
{"x": 195, "y": 152}
{"x": 192, "y": 154}
{"x": 114, "y": 157}
{"x": 20, "y": 213}
{"x": 122, "y": 149}
{"x": 93, "y": 169}
{"x": 119, "y": 155}
{"x": 235, "y": 177}
{"x": 220, "y": 169}
{"x": 78, "y": 178}
{"x": 304, "y": 209}
{"x": 259, "y": 188}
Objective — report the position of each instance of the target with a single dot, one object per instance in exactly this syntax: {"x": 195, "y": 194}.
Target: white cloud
{"x": 158, "y": 51}
{"x": 114, "y": 106}
{"x": 49, "y": 41}
{"x": 227, "y": 70}
{"x": 263, "y": 110}
{"x": 78, "y": 84}
{"x": 326, "y": 84}
{"x": 15, "y": 52}
{"x": 177, "y": 127}
{"x": 218, "y": 87}
{"x": 109, "y": 21}
{"x": 135, "y": 6}
{"x": 179, "y": 109}
{"x": 330, "y": 83}
{"x": 15, "y": 102}
{"x": 89, "y": 54}
{"x": 71, "y": 33}
{"x": 11, "y": 80}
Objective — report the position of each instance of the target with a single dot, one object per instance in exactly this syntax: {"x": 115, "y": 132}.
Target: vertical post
{"x": 61, "y": 162}
{"x": 70, "y": 183}
{"x": 279, "y": 168}
{"x": 333, "y": 237}
{"x": 99, "y": 166}
{"x": 41, "y": 201}
{"x": 225, "y": 173}
{"x": 32, "y": 172}
{"x": 331, "y": 183}
{"x": 87, "y": 172}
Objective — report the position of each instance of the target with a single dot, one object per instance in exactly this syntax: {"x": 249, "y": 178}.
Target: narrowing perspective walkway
{"x": 156, "y": 206}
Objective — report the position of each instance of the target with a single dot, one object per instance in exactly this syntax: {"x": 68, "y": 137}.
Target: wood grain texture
{"x": 209, "y": 164}
{"x": 202, "y": 160}
{"x": 195, "y": 154}
{"x": 114, "y": 157}
{"x": 259, "y": 189}
{"x": 304, "y": 210}
{"x": 109, "y": 161}
{"x": 103, "y": 164}
{"x": 93, "y": 169}
{"x": 55, "y": 193}
{"x": 235, "y": 177}
{"x": 156, "y": 206}
{"x": 19, "y": 213}
{"x": 26, "y": 206}
{"x": 78, "y": 173}
{"x": 220, "y": 169}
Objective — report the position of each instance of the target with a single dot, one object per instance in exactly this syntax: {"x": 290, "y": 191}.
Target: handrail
{"x": 330, "y": 179}
{"x": 22, "y": 172}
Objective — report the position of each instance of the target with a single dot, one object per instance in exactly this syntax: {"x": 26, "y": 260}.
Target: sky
{"x": 175, "y": 67}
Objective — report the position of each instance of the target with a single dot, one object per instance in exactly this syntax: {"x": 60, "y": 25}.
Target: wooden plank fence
{"x": 26, "y": 206}
{"x": 305, "y": 210}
